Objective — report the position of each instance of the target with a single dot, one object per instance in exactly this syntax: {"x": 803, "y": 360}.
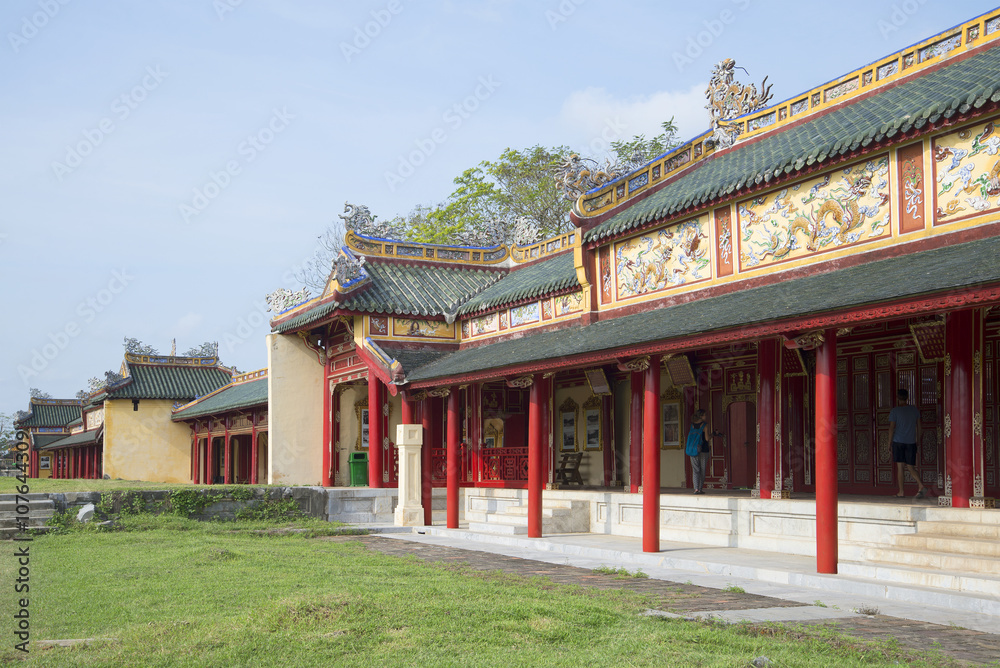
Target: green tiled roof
{"x": 169, "y": 381}
{"x": 954, "y": 88}
{"x": 51, "y": 415}
{"x": 959, "y": 266}
{"x": 400, "y": 288}
{"x": 534, "y": 280}
{"x": 79, "y": 438}
{"x": 41, "y": 441}
{"x": 229, "y": 398}
{"x": 413, "y": 359}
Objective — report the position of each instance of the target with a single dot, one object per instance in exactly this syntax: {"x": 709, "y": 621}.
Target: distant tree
{"x": 97, "y": 384}
{"x": 496, "y": 202}
{"x": 207, "y": 349}
{"x": 35, "y": 393}
{"x": 638, "y": 151}
{"x": 137, "y": 347}
{"x": 314, "y": 272}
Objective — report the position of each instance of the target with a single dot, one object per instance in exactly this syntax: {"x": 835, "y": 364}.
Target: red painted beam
{"x": 826, "y": 454}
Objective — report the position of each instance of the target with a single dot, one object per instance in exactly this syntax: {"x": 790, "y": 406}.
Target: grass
{"x": 43, "y": 485}
{"x": 170, "y": 591}
{"x": 734, "y": 589}
{"x": 620, "y": 573}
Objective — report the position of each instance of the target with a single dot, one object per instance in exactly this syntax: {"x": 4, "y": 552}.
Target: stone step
{"x": 889, "y": 574}
{"x": 11, "y": 506}
{"x": 501, "y": 529}
{"x": 34, "y": 496}
{"x": 7, "y": 517}
{"x": 522, "y": 511}
{"x": 960, "y": 529}
{"x": 944, "y": 561}
{"x": 972, "y": 547}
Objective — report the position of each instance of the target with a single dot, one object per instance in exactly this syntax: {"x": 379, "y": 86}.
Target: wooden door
{"x": 742, "y": 441}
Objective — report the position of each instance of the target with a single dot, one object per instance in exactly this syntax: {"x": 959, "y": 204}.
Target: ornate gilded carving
{"x": 977, "y": 362}
{"x": 577, "y": 175}
{"x": 439, "y": 392}
{"x": 522, "y": 382}
{"x": 313, "y": 346}
{"x": 977, "y": 424}
{"x": 728, "y": 99}
{"x": 947, "y": 426}
{"x": 810, "y": 340}
{"x": 637, "y": 364}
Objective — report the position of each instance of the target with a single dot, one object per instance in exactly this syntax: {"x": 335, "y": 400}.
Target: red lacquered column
{"x": 651, "y": 457}
{"x": 826, "y": 454}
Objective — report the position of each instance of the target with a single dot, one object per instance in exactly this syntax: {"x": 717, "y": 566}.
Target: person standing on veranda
{"x": 697, "y": 449}
{"x": 904, "y": 433}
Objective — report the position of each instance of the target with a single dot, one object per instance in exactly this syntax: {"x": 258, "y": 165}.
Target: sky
{"x": 166, "y": 164}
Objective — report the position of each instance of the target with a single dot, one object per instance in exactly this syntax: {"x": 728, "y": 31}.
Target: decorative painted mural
{"x": 484, "y": 324}
{"x": 967, "y": 170}
{"x": 663, "y": 259}
{"x": 424, "y": 329}
{"x": 571, "y": 303}
{"x": 842, "y": 208}
{"x": 525, "y": 314}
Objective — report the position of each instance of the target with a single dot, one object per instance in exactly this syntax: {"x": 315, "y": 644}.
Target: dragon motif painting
{"x": 664, "y": 258}
{"x": 842, "y": 208}
{"x": 967, "y": 169}
{"x": 571, "y": 303}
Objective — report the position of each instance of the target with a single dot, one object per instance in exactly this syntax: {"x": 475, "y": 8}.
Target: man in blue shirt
{"x": 904, "y": 432}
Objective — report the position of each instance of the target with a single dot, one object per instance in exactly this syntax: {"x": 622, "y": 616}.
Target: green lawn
{"x": 41, "y": 485}
{"x": 174, "y": 592}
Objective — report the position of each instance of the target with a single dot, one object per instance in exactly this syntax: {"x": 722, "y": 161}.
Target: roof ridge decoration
{"x": 249, "y": 376}
{"x": 417, "y": 250}
{"x": 974, "y": 34}
{"x": 54, "y": 402}
{"x": 168, "y": 360}
{"x": 283, "y": 299}
{"x": 359, "y": 219}
{"x": 728, "y": 100}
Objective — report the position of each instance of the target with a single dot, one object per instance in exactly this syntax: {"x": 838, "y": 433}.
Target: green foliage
{"x": 620, "y": 573}
{"x": 734, "y": 589}
{"x": 493, "y": 196}
{"x": 639, "y": 150}
{"x": 188, "y": 502}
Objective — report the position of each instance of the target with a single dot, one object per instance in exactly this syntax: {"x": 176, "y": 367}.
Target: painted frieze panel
{"x": 547, "y": 309}
{"x": 525, "y": 314}
{"x": 724, "y": 241}
{"x": 607, "y": 281}
{"x": 484, "y": 324}
{"x": 911, "y": 187}
{"x": 422, "y": 329}
{"x": 966, "y": 173}
{"x": 570, "y": 303}
{"x": 378, "y": 325}
{"x": 665, "y": 258}
{"x": 837, "y": 210}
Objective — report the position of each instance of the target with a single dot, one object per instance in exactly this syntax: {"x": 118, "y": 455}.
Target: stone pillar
{"x": 376, "y": 394}
{"x": 452, "y": 459}
{"x": 767, "y": 415}
{"x": 409, "y": 439}
{"x": 826, "y": 454}
{"x": 635, "y": 432}
{"x": 651, "y": 457}
{"x": 536, "y": 460}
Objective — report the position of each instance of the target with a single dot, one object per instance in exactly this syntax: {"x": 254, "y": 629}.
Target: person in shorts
{"x": 904, "y": 432}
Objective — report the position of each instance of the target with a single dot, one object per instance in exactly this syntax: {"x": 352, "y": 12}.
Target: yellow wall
{"x": 295, "y": 412}
{"x": 145, "y": 444}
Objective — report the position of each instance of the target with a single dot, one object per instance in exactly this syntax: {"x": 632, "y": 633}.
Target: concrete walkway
{"x": 787, "y": 577}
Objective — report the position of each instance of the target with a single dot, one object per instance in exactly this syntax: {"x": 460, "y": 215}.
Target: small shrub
{"x": 819, "y": 604}
{"x": 270, "y": 509}
{"x": 735, "y": 589}
{"x": 188, "y": 502}
{"x": 866, "y": 609}
{"x": 620, "y": 573}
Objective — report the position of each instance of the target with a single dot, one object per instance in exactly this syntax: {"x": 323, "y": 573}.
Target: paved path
{"x": 687, "y": 598}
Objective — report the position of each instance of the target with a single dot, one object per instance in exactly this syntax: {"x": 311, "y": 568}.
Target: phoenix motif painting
{"x": 843, "y": 208}
{"x": 422, "y": 329}
{"x": 662, "y": 259}
{"x": 967, "y": 170}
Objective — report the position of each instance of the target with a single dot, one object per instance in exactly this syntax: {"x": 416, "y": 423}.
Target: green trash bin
{"x": 358, "y": 462}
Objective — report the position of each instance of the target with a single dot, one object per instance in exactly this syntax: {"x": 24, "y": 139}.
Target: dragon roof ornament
{"x": 359, "y": 219}
{"x": 283, "y": 299}
{"x": 728, "y": 99}
{"x": 346, "y": 267}
{"x": 576, "y": 176}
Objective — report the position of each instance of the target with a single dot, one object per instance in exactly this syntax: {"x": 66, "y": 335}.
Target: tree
{"x": 314, "y": 272}
{"x": 35, "y": 393}
{"x": 207, "y": 349}
{"x": 137, "y": 347}
{"x": 637, "y": 151}
{"x": 97, "y": 384}
{"x": 496, "y": 201}
{"x": 8, "y": 436}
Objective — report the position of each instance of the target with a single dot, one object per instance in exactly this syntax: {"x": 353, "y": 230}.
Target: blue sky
{"x": 167, "y": 164}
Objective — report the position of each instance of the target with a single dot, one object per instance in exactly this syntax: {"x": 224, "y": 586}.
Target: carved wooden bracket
{"x": 636, "y": 364}
{"x": 522, "y": 382}
{"x": 439, "y": 392}
{"x": 313, "y": 346}
{"x": 806, "y": 341}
